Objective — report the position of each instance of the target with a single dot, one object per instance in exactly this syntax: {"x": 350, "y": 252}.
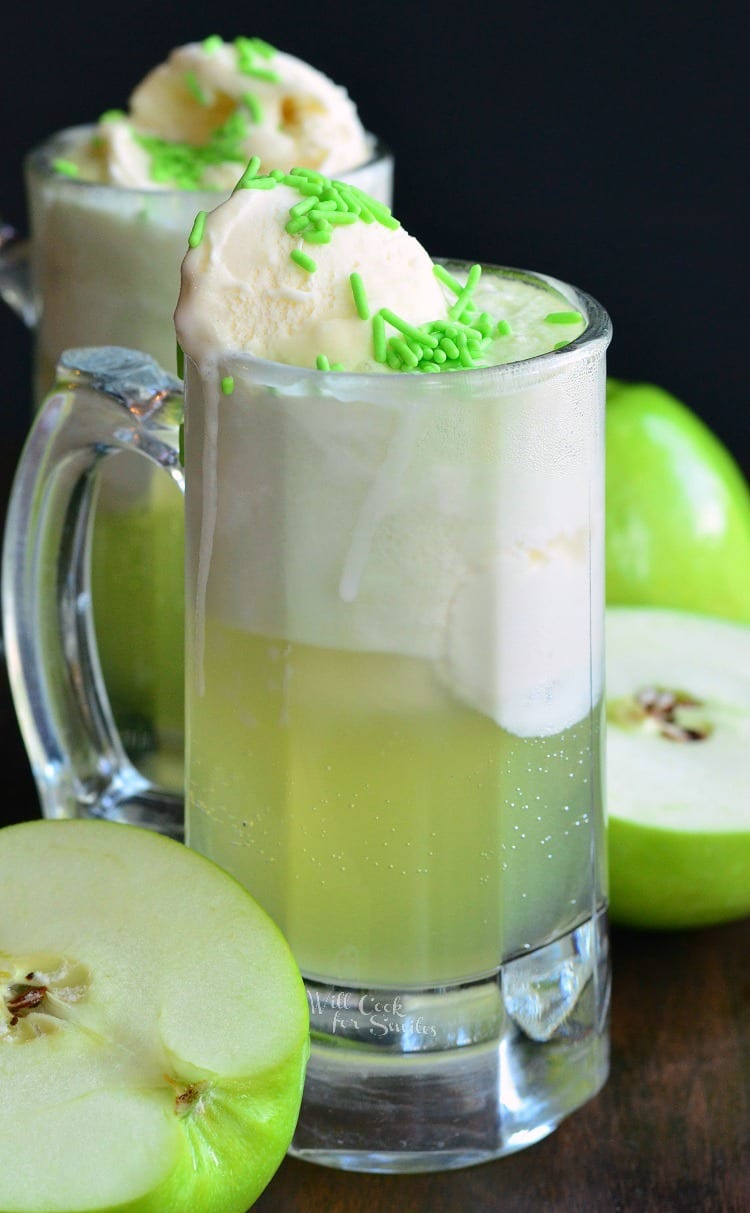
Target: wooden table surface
{"x": 670, "y": 1132}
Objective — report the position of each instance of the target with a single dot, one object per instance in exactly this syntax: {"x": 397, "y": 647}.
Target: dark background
{"x": 605, "y": 144}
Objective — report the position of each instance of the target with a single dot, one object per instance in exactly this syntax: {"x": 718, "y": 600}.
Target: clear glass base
{"x": 443, "y": 1078}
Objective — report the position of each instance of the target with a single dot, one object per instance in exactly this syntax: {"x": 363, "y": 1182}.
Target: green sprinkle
{"x": 197, "y": 230}
{"x": 352, "y": 206}
{"x": 180, "y": 361}
{"x": 378, "y": 338}
{"x": 447, "y": 279}
{"x": 181, "y": 443}
{"x": 213, "y": 43}
{"x": 439, "y": 356}
{"x": 503, "y": 328}
{"x": 250, "y": 172}
{"x": 393, "y": 360}
{"x": 312, "y": 174}
{"x": 302, "y": 208}
{"x": 68, "y": 168}
{"x": 409, "y": 330}
{"x": 456, "y": 311}
{"x": 450, "y": 347}
{"x": 246, "y": 49}
{"x": 296, "y": 225}
{"x": 316, "y": 237}
{"x": 430, "y": 367}
{"x": 264, "y": 49}
{"x": 193, "y": 85}
{"x": 224, "y": 138}
{"x": 341, "y": 218}
{"x": 337, "y": 366}
{"x": 334, "y": 194}
{"x": 227, "y": 385}
{"x": 112, "y": 116}
{"x": 563, "y": 318}
{"x": 400, "y": 347}
{"x": 253, "y": 106}
{"x": 262, "y": 73}
{"x": 322, "y": 363}
{"x": 260, "y": 183}
{"x": 303, "y": 261}
{"x": 380, "y": 211}
{"x": 277, "y": 175}
{"x": 360, "y": 296}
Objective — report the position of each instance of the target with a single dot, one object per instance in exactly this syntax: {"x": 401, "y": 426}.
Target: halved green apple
{"x": 678, "y": 508}
{"x": 153, "y": 1027}
{"x": 678, "y": 768}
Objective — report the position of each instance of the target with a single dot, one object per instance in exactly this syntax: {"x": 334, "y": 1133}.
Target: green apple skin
{"x": 227, "y": 1013}
{"x": 679, "y": 816}
{"x": 677, "y": 508}
{"x": 657, "y": 877}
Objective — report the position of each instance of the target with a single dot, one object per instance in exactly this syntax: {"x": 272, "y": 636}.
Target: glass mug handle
{"x": 15, "y": 275}
{"x": 106, "y": 400}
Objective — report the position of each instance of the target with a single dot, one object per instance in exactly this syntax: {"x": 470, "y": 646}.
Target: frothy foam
{"x": 465, "y": 529}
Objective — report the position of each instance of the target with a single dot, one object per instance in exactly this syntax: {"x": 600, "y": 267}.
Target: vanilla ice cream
{"x": 112, "y": 204}
{"x": 252, "y": 295}
{"x": 196, "y": 120}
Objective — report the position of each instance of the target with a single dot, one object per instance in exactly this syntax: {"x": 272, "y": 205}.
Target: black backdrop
{"x": 605, "y": 144}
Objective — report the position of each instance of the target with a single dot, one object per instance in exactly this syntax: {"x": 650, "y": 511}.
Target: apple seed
{"x": 24, "y": 999}
{"x": 35, "y": 1000}
{"x": 674, "y": 715}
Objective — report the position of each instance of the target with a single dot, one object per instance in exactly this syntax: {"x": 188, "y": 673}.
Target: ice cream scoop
{"x": 304, "y": 270}
{"x": 252, "y": 282}
{"x": 196, "y": 119}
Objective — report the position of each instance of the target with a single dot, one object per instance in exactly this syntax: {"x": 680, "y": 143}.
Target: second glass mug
{"x": 394, "y": 691}
{"x": 103, "y": 268}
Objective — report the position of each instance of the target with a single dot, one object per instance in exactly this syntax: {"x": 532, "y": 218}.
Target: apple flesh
{"x": 678, "y": 739}
{"x": 678, "y": 508}
{"x": 153, "y": 1027}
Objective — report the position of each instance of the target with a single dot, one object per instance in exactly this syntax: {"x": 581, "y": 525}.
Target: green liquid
{"x": 137, "y": 571}
{"x": 396, "y": 835}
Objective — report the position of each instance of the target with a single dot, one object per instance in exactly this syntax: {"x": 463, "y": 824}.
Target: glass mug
{"x": 394, "y": 692}
{"x": 104, "y": 266}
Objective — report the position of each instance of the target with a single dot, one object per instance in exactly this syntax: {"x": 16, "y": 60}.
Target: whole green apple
{"x": 678, "y": 508}
{"x": 153, "y": 1027}
{"x": 678, "y": 739}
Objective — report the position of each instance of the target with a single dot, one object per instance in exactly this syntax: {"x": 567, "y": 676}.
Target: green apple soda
{"x": 394, "y": 652}
{"x": 396, "y": 835}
